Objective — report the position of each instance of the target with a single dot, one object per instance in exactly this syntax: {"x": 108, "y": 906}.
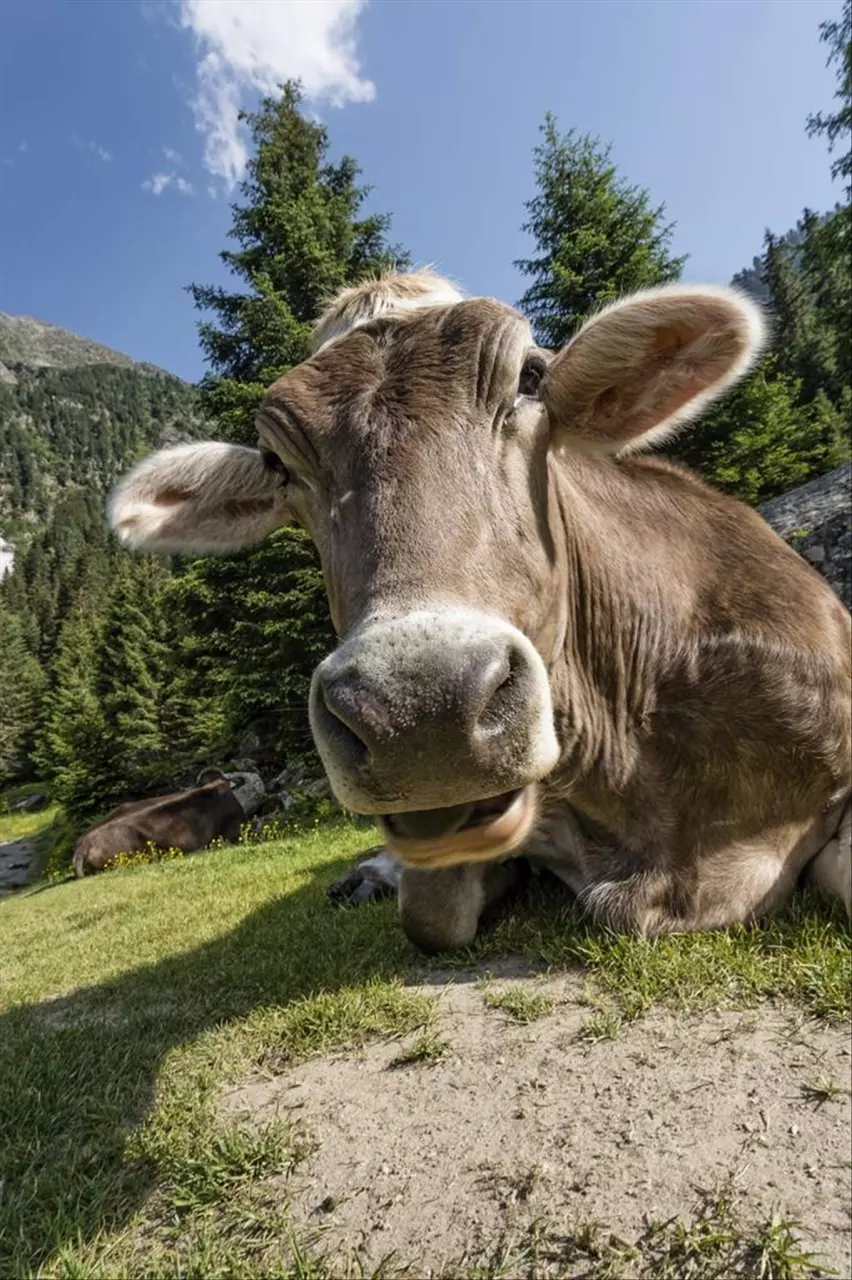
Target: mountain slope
{"x": 34, "y": 343}
{"x": 73, "y": 416}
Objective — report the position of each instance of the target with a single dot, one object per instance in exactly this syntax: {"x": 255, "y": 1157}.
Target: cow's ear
{"x": 198, "y": 499}
{"x": 642, "y": 367}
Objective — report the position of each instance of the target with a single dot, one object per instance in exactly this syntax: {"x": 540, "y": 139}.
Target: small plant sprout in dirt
{"x": 603, "y": 1024}
{"x": 823, "y": 1090}
{"x": 520, "y": 1005}
{"x": 425, "y": 1050}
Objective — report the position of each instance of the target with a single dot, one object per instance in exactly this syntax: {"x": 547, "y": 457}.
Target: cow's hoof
{"x": 357, "y": 887}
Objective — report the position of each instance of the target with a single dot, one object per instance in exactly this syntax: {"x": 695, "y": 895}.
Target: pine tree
{"x": 21, "y": 689}
{"x": 256, "y": 625}
{"x": 803, "y": 346}
{"x": 761, "y": 440}
{"x": 302, "y": 235}
{"x": 128, "y": 684}
{"x": 72, "y": 729}
{"x": 596, "y": 237}
{"x": 837, "y": 125}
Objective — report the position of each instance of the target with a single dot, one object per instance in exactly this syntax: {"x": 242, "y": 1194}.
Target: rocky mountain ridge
{"x": 36, "y": 344}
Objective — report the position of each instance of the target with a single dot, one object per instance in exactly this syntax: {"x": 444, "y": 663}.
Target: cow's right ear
{"x": 647, "y": 364}
{"x": 198, "y": 499}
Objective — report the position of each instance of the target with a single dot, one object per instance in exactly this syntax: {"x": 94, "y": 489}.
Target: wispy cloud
{"x": 99, "y": 151}
{"x": 173, "y": 157}
{"x": 160, "y": 182}
{"x": 253, "y": 45}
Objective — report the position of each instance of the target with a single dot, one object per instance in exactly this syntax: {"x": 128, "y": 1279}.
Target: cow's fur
{"x": 677, "y": 696}
{"x": 186, "y": 820}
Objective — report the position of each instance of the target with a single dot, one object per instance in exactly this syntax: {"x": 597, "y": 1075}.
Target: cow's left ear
{"x": 642, "y": 367}
{"x": 198, "y": 499}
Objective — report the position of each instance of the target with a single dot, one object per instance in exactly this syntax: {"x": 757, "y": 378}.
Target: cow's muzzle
{"x": 437, "y": 711}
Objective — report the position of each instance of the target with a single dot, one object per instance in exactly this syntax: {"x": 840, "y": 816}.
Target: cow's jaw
{"x": 481, "y": 831}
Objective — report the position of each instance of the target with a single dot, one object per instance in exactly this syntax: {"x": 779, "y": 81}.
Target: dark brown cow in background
{"x": 550, "y": 647}
{"x": 186, "y": 820}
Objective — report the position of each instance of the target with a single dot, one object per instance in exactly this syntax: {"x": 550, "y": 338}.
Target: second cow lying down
{"x": 186, "y": 820}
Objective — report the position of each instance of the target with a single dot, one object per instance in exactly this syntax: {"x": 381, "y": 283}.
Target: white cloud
{"x": 160, "y": 182}
{"x": 252, "y": 46}
{"x": 173, "y": 157}
{"x": 99, "y": 151}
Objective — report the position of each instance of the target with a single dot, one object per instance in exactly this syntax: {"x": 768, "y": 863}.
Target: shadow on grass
{"x": 78, "y": 1073}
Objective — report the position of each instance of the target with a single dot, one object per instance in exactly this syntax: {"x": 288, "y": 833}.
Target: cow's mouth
{"x": 480, "y": 831}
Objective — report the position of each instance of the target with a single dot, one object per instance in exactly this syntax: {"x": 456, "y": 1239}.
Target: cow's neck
{"x": 623, "y": 603}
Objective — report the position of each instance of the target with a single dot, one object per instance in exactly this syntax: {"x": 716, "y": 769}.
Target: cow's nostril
{"x": 340, "y": 708}
{"x": 500, "y": 688}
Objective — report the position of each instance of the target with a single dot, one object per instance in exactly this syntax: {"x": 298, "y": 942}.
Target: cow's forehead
{"x": 434, "y": 347}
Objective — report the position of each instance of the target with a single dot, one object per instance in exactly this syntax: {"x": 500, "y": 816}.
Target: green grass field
{"x": 130, "y": 1001}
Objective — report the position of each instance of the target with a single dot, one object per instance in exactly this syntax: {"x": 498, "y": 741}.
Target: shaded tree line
{"x": 117, "y": 671}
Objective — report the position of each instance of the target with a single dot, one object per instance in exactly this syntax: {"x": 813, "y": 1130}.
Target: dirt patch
{"x": 436, "y": 1161}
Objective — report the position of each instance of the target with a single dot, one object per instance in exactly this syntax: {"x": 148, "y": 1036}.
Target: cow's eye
{"x": 531, "y": 376}
{"x": 272, "y": 462}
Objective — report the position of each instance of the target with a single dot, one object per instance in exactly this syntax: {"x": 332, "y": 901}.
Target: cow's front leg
{"x": 375, "y": 875}
{"x": 441, "y": 910}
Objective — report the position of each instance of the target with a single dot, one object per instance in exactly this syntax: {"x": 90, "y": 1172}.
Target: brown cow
{"x": 186, "y": 820}
{"x": 550, "y": 647}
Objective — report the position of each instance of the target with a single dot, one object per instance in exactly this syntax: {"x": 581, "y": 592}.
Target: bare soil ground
{"x": 436, "y": 1160}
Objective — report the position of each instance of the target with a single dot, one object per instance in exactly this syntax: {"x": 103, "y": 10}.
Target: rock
{"x": 248, "y": 790}
{"x": 318, "y": 790}
{"x": 816, "y": 520}
{"x": 250, "y": 745}
{"x": 35, "y": 801}
{"x": 16, "y": 860}
{"x": 244, "y": 765}
{"x": 297, "y": 778}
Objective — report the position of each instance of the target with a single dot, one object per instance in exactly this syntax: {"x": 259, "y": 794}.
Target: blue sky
{"x": 118, "y": 148}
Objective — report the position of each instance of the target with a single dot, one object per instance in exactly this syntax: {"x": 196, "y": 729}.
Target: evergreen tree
{"x": 837, "y": 125}
{"x": 129, "y": 685}
{"x": 72, "y": 730}
{"x": 21, "y": 689}
{"x": 302, "y": 235}
{"x": 596, "y": 237}
{"x": 761, "y": 441}
{"x": 256, "y": 625}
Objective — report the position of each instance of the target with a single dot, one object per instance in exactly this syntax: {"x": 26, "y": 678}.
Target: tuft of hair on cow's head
{"x": 385, "y": 294}
{"x": 646, "y": 365}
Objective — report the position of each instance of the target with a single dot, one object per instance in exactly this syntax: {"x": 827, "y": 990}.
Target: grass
{"x": 21, "y": 825}
{"x": 520, "y": 1005}
{"x": 823, "y": 1090}
{"x": 603, "y": 1024}
{"x": 129, "y": 1003}
{"x": 425, "y": 1050}
{"x": 714, "y": 1244}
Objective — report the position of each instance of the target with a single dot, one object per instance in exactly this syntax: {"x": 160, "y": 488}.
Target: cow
{"x": 185, "y": 820}
{"x": 551, "y": 646}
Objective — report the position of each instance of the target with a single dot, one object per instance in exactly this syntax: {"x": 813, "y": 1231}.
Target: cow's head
{"x": 416, "y": 448}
